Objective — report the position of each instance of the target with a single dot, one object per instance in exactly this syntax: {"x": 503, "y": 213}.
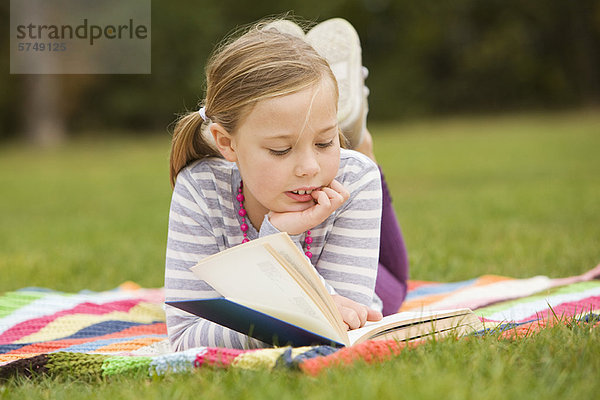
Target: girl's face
{"x": 286, "y": 147}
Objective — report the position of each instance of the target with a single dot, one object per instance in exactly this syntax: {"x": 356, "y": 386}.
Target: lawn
{"x": 514, "y": 195}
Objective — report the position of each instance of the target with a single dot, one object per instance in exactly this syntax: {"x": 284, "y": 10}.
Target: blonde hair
{"x": 260, "y": 64}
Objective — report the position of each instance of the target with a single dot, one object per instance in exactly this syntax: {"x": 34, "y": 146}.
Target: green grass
{"x": 89, "y": 215}
{"x": 514, "y": 195}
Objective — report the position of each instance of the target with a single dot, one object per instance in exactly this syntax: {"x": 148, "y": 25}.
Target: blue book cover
{"x": 251, "y": 322}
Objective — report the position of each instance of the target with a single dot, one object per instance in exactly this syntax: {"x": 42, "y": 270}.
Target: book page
{"x": 322, "y": 303}
{"x": 425, "y": 319}
{"x": 292, "y": 317}
{"x": 251, "y": 276}
{"x": 284, "y": 246}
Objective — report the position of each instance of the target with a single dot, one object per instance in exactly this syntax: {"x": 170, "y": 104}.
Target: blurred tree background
{"x": 425, "y": 57}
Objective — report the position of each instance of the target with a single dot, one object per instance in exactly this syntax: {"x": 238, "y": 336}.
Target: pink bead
{"x": 244, "y": 227}
{"x": 245, "y": 240}
{"x": 240, "y": 197}
{"x": 308, "y": 254}
{"x": 308, "y": 233}
{"x": 242, "y": 213}
{"x": 307, "y": 247}
{"x": 308, "y": 240}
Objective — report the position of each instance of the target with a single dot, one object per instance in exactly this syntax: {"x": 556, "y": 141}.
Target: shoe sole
{"x": 286, "y": 26}
{"x": 337, "y": 41}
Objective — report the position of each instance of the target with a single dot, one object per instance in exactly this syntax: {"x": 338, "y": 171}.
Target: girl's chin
{"x": 298, "y": 207}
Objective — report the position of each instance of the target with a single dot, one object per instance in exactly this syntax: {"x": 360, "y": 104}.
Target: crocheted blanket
{"x": 123, "y": 331}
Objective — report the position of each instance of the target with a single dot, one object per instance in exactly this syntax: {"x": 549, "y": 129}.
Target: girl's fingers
{"x": 361, "y": 312}
{"x": 320, "y": 211}
{"x": 341, "y": 189}
{"x": 351, "y": 318}
{"x": 327, "y": 199}
{"x": 373, "y": 315}
{"x": 335, "y": 198}
{"x": 323, "y": 200}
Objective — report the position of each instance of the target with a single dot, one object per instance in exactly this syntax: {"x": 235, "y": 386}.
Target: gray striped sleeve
{"x": 191, "y": 237}
{"x": 349, "y": 257}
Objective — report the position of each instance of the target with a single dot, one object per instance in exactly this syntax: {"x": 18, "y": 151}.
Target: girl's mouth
{"x": 303, "y": 195}
{"x": 302, "y": 191}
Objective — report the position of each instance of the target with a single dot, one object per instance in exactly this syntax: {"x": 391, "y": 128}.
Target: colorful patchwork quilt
{"x": 123, "y": 331}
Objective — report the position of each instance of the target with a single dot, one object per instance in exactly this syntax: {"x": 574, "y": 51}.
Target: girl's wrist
{"x": 281, "y": 226}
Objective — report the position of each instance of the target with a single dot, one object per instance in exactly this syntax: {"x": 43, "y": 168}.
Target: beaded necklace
{"x": 244, "y": 226}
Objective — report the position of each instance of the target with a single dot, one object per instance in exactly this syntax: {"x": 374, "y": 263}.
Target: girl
{"x": 264, "y": 155}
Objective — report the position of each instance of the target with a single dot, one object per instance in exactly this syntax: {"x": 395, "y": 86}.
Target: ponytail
{"x": 188, "y": 144}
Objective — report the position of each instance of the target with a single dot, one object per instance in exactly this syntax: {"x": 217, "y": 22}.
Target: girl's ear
{"x": 224, "y": 142}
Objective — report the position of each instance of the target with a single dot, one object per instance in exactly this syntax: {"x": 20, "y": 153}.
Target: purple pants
{"x": 392, "y": 274}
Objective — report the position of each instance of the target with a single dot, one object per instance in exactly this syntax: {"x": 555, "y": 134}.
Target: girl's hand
{"x": 327, "y": 200}
{"x": 355, "y": 315}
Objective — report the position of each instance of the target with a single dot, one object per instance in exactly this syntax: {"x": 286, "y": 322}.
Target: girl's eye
{"x": 325, "y": 145}
{"x": 280, "y": 152}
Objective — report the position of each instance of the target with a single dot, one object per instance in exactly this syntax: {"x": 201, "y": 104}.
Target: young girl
{"x": 264, "y": 155}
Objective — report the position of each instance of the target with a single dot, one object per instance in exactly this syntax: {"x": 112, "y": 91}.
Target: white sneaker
{"x": 338, "y": 42}
{"x": 286, "y": 26}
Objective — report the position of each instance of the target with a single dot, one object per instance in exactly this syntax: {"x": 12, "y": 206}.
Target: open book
{"x": 270, "y": 291}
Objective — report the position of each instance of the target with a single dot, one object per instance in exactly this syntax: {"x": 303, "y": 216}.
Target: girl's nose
{"x": 307, "y": 164}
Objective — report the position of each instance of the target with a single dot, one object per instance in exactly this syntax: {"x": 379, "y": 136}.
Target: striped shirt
{"x": 204, "y": 220}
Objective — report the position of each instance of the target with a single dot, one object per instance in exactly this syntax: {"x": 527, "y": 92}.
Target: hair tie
{"x": 202, "y": 112}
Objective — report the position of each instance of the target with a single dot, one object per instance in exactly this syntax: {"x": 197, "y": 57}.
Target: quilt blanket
{"x": 122, "y": 331}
